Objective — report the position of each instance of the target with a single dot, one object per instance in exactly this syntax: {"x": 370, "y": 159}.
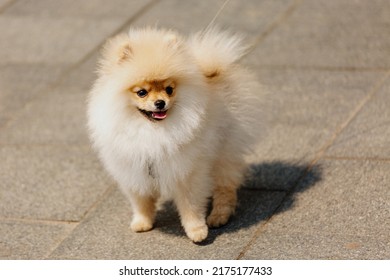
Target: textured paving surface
{"x": 319, "y": 183}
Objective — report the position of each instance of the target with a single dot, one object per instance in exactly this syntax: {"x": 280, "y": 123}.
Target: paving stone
{"x": 4, "y": 3}
{"x": 248, "y": 17}
{"x": 84, "y": 75}
{"x": 30, "y": 240}
{"x": 98, "y": 9}
{"x": 331, "y": 34}
{"x": 349, "y": 205}
{"x": 19, "y": 84}
{"x": 285, "y": 245}
{"x": 3, "y": 121}
{"x": 304, "y": 108}
{"x": 58, "y": 117}
{"x": 110, "y": 222}
{"x": 368, "y": 135}
{"x": 49, "y": 182}
{"x": 252, "y": 17}
{"x": 51, "y": 40}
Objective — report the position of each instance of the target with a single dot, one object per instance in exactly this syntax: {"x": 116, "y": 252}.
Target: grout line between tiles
{"x": 262, "y": 227}
{"x": 42, "y": 145}
{"x": 322, "y": 68}
{"x": 37, "y": 221}
{"x": 139, "y": 14}
{"x": 352, "y": 116}
{"x": 275, "y": 24}
{"x": 59, "y": 241}
{"x": 352, "y": 158}
{"x": 98, "y": 202}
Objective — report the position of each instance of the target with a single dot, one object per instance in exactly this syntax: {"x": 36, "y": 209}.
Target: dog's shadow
{"x": 270, "y": 188}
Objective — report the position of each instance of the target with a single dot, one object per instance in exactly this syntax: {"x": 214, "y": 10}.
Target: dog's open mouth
{"x": 154, "y": 116}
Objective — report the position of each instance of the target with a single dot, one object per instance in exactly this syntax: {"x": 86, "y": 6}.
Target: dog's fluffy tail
{"x": 216, "y": 51}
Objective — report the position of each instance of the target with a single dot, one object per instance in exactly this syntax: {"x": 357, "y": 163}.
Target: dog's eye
{"x": 169, "y": 90}
{"x": 142, "y": 93}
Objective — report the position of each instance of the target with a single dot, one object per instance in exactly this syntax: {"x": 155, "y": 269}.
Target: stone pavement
{"x": 319, "y": 184}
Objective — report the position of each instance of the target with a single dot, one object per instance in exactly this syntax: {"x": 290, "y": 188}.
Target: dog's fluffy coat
{"x": 198, "y": 150}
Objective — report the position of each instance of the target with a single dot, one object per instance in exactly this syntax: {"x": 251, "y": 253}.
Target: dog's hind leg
{"x": 224, "y": 205}
{"x": 228, "y": 178}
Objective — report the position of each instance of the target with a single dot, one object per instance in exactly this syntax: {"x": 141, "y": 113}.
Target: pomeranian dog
{"x": 173, "y": 118}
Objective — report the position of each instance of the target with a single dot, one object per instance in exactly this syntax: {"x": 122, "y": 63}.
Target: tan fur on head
{"x": 115, "y": 50}
{"x": 119, "y": 48}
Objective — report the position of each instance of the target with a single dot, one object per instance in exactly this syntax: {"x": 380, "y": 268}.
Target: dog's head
{"x": 149, "y": 66}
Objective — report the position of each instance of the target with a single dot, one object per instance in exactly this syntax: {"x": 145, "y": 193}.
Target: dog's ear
{"x": 172, "y": 40}
{"x": 115, "y": 51}
{"x": 125, "y": 53}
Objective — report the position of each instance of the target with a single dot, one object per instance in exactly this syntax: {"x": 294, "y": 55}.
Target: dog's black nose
{"x": 160, "y": 104}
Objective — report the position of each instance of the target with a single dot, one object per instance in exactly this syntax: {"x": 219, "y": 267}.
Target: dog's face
{"x": 153, "y": 98}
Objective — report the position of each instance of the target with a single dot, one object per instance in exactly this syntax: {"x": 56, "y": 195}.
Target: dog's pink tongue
{"x": 159, "y": 115}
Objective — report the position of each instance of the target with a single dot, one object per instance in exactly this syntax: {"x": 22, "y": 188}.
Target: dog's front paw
{"x": 198, "y": 233}
{"x": 141, "y": 225}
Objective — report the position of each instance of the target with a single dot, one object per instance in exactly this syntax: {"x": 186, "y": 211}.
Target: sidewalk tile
{"x": 4, "y": 3}
{"x": 349, "y": 205}
{"x": 304, "y": 108}
{"x": 84, "y": 75}
{"x": 368, "y": 135}
{"x": 331, "y": 34}
{"x": 248, "y": 17}
{"x": 252, "y": 17}
{"x": 49, "y": 182}
{"x": 285, "y": 245}
{"x": 57, "y": 118}
{"x": 51, "y": 41}
{"x": 21, "y": 83}
{"x": 30, "y": 240}
{"x": 98, "y": 9}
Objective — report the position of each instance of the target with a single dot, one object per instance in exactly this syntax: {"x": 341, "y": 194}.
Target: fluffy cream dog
{"x": 173, "y": 118}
